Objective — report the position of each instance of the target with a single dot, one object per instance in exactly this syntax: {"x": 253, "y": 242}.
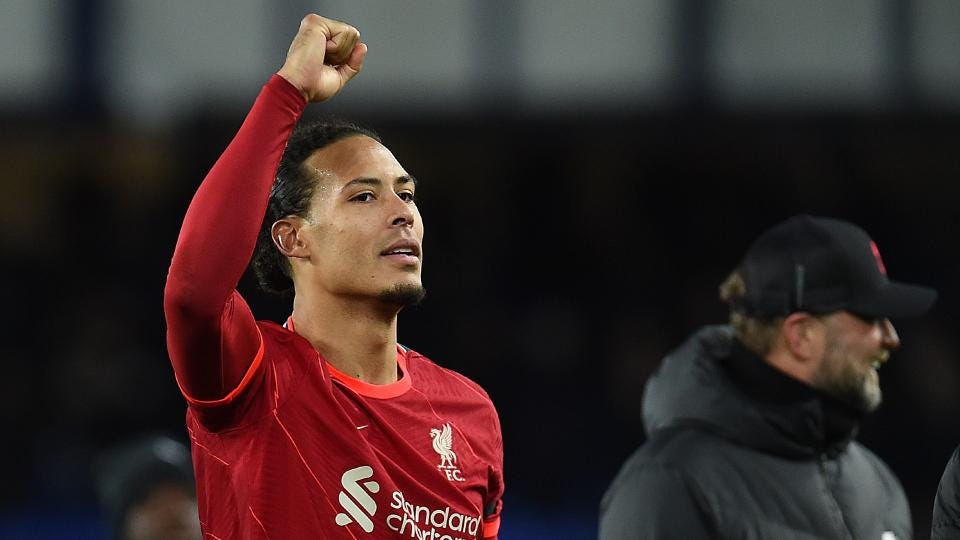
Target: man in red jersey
{"x": 324, "y": 427}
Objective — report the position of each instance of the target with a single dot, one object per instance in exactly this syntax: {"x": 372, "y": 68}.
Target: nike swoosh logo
{"x": 363, "y": 426}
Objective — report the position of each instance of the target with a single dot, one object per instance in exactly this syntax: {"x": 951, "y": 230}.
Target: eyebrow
{"x": 401, "y": 180}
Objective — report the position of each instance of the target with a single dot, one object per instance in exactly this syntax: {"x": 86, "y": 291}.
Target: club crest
{"x": 443, "y": 445}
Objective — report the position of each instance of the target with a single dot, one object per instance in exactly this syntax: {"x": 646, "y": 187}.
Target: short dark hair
{"x": 292, "y": 190}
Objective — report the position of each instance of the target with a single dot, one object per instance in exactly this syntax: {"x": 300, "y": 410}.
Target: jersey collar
{"x": 378, "y": 391}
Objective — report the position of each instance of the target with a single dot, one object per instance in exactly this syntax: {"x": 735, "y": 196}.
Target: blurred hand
{"x": 323, "y": 56}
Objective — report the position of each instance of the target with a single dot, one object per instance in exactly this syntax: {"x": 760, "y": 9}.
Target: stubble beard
{"x": 849, "y": 380}
{"x": 403, "y": 294}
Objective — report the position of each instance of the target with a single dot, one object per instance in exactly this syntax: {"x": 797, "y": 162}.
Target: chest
{"x": 765, "y": 497}
{"x": 440, "y": 440}
{"x": 422, "y": 464}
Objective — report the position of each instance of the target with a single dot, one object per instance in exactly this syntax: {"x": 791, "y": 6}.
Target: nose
{"x": 889, "y": 335}
{"x": 401, "y": 212}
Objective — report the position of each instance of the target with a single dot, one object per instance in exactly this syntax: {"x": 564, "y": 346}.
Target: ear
{"x": 803, "y": 337}
{"x": 286, "y": 235}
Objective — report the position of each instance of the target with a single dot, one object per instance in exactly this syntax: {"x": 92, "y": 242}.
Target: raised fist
{"x": 324, "y": 55}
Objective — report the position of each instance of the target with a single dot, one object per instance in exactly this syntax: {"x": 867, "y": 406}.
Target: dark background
{"x": 566, "y": 252}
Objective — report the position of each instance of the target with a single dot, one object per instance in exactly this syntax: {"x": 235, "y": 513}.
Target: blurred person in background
{"x": 324, "y": 427}
{"x": 751, "y": 426}
{"x": 946, "y": 506}
{"x": 147, "y": 491}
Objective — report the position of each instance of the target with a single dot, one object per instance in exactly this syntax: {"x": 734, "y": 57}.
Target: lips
{"x": 406, "y": 252}
{"x": 403, "y": 247}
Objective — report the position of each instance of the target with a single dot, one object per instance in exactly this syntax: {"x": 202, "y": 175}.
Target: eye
{"x": 366, "y": 196}
{"x": 407, "y": 196}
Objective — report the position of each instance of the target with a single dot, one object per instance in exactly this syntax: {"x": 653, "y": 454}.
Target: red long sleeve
{"x": 212, "y": 336}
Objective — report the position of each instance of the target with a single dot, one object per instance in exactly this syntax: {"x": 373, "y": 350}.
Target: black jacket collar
{"x": 714, "y": 382}
{"x": 814, "y": 419}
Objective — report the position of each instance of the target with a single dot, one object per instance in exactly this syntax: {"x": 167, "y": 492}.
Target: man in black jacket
{"x": 751, "y": 425}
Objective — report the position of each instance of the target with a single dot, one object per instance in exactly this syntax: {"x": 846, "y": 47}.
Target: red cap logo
{"x": 876, "y": 255}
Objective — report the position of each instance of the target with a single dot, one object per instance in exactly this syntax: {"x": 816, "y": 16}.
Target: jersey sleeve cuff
{"x": 491, "y": 527}
{"x": 288, "y": 94}
{"x": 244, "y": 383}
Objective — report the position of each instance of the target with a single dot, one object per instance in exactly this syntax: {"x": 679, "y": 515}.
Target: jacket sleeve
{"x": 212, "y": 337}
{"x": 946, "y": 506}
{"x": 652, "y": 502}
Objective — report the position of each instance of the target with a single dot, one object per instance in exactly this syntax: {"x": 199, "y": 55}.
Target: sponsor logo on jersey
{"x": 443, "y": 445}
{"x": 408, "y": 519}
{"x": 355, "y": 498}
{"x": 425, "y": 523}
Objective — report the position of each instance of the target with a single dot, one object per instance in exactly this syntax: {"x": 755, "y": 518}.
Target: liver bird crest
{"x": 443, "y": 445}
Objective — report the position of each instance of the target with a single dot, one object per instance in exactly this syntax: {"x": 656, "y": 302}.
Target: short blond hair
{"x": 757, "y": 335}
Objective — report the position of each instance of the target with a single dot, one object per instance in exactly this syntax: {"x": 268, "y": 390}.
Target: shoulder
{"x": 274, "y": 332}
{"x": 655, "y": 495}
{"x": 951, "y": 475}
{"x": 675, "y": 456}
{"x": 687, "y": 445}
{"x": 646, "y": 484}
{"x": 282, "y": 346}
{"x": 946, "y": 507}
{"x": 438, "y": 381}
{"x": 708, "y": 466}
{"x": 455, "y": 393}
{"x": 659, "y": 460}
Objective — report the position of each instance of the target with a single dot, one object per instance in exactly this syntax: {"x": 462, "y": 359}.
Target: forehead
{"x": 357, "y": 156}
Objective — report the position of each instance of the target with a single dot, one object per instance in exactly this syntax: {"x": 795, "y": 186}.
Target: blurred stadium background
{"x": 590, "y": 171}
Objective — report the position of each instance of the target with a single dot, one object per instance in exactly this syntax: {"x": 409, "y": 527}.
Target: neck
{"x": 356, "y": 336}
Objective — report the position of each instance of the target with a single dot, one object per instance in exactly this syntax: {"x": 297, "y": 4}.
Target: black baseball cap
{"x": 821, "y": 265}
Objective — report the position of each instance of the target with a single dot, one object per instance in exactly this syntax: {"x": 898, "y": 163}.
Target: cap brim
{"x": 897, "y": 301}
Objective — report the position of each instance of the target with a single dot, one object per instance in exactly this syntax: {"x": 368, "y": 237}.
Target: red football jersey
{"x": 304, "y": 451}
{"x": 284, "y": 445}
